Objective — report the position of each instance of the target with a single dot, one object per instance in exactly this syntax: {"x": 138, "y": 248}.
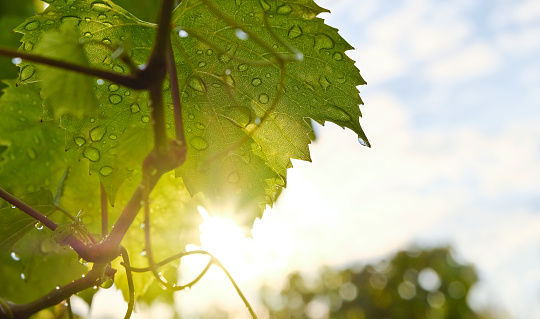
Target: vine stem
{"x": 130, "y": 81}
{"x": 28, "y": 210}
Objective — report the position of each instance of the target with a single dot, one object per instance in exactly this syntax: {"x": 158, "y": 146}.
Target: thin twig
{"x": 175, "y": 94}
{"x": 125, "y": 80}
{"x": 104, "y": 211}
{"x": 131, "y": 288}
{"x": 27, "y": 209}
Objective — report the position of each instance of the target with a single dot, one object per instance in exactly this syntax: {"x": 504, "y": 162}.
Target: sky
{"x": 452, "y": 108}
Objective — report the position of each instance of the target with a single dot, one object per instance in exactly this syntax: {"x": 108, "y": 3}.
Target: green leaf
{"x": 241, "y": 133}
{"x": 66, "y": 92}
{"x": 30, "y": 141}
{"x": 16, "y": 224}
{"x": 103, "y": 26}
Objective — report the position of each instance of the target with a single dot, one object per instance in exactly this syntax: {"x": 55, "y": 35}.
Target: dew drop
{"x": 362, "y": 142}
{"x": 14, "y": 256}
{"x": 87, "y": 34}
{"x": 79, "y": 141}
{"x": 23, "y": 276}
{"x": 256, "y": 82}
{"x": 31, "y": 153}
{"x": 100, "y": 81}
{"x": 100, "y": 6}
{"x": 197, "y": 84}
{"x": 191, "y": 116}
{"x": 16, "y": 61}
{"x": 337, "y": 56}
{"x": 92, "y": 120}
{"x": 284, "y": 9}
{"x": 39, "y": 226}
{"x": 265, "y": 5}
{"x": 258, "y": 120}
{"x": 295, "y": 32}
{"x": 92, "y": 154}
{"x": 145, "y": 119}
{"x": 240, "y": 34}
{"x": 28, "y": 46}
{"x": 183, "y": 34}
{"x": 32, "y": 25}
{"x": 113, "y": 87}
{"x": 57, "y": 287}
{"x": 115, "y": 98}
{"x": 263, "y": 98}
{"x": 106, "y": 41}
{"x": 187, "y": 289}
{"x": 202, "y": 64}
{"x": 226, "y": 56}
{"x": 239, "y": 116}
{"x": 200, "y": 126}
{"x": 113, "y": 136}
{"x": 198, "y": 143}
{"x": 323, "y": 42}
{"x": 242, "y": 67}
{"x": 118, "y": 68}
{"x": 106, "y": 170}
{"x": 323, "y": 81}
{"x": 27, "y": 72}
{"x": 135, "y": 108}
{"x": 97, "y": 133}
{"x": 209, "y": 52}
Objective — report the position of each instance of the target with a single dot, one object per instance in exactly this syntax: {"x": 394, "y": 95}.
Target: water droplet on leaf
{"x": 265, "y": 5}
{"x": 145, "y": 119}
{"x": 97, "y": 133}
{"x": 135, "y": 108}
{"x": 79, "y": 141}
{"x": 32, "y": 25}
{"x": 28, "y": 46}
{"x": 323, "y": 42}
{"x": 27, "y": 72}
{"x": 338, "y": 56}
{"x": 92, "y": 154}
{"x": 113, "y": 87}
{"x": 323, "y": 81}
{"x": 199, "y": 143}
{"x": 115, "y": 98}
{"x": 39, "y": 226}
{"x": 106, "y": 170}
{"x": 100, "y": 6}
{"x": 263, "y": 98}
{"x": 284, "y": 9}
{"x": 197, "y": 84}
{"x": 256, "y": 82}
{"x": 200, "y": 126}
{"x": 112, "y": 136}
{"x": 239, "y": 116}
{"x": 242, "y": 67}
{"x": 240, "y": 34}
{"x": 295, "y": 32}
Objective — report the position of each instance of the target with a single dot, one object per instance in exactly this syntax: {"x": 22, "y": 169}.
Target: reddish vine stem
{"x": 175, "y": 94}
{"x": 130, "y": 81}
{"x": 27, "y": 209}
{"x": 104, "y": 211}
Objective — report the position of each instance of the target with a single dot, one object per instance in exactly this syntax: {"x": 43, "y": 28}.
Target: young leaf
{"x": 66, "y": 92}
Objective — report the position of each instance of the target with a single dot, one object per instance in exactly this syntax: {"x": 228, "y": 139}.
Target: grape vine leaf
{"x": 246, "y": 113}
{"x": 30, "y": 141}
{"x": 66, "y": 92}
{"x": 232, "y": 81}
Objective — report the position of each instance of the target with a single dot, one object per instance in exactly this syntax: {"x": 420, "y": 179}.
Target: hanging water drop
{"x": 14, "y": 256}
{"x": 240, "y": 34}
{"x": 362, "y": 142}
{"x": 39, "y": 226}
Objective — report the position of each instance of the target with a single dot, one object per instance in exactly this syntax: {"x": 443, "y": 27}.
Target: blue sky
{"x": 452, "y": 109}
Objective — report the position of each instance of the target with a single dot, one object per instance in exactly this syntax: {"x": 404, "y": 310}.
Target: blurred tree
{"x": 423, "y": 284}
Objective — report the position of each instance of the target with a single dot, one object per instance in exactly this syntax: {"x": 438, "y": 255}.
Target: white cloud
{"x": 472, "y": 61}
{"x": 520, "y": 42}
